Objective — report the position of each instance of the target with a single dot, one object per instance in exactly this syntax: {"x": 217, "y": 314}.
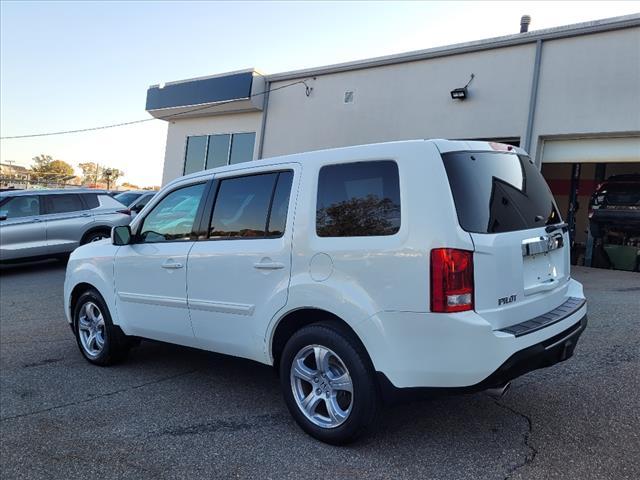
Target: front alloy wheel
{"x": 321, "y": 386}
{"x": 91, "y": 329}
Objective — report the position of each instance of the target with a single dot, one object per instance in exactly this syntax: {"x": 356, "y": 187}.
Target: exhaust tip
{"x": 499, "y": 392}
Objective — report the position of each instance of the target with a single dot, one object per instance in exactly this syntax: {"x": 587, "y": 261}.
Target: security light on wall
{"x": 461, "y": 93}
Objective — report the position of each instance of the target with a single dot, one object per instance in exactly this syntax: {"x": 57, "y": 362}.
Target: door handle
{"x": 36, "y": 220}
{"x": 269, "y": 265}
{"x": 171, "y": 264}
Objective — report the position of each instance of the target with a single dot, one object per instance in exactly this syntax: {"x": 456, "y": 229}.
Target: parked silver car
{"x": 45, "y": 223}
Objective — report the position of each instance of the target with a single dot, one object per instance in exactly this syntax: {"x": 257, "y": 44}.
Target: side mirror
{"x": 121, "y": 235}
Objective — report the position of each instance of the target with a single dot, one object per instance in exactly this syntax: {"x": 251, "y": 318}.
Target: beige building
{"x": 570, "y": 96}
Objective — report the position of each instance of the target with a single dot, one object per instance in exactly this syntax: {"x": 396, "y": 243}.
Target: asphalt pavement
{"x": 173, "y": 412}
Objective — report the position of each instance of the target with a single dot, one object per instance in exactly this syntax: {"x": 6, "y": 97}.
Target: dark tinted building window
{"x": 358, "y": 199}
{"x": 241, "y": 207}
{"x": 242, "y": 147}
{"x": 498, "y": 192}
{"x": 280, "y": 205}
{"x": 210, "y": 151}
{"x": 196, "y": 151}
{"x": 65, "y": 202}
{"x": 218, "y": 151}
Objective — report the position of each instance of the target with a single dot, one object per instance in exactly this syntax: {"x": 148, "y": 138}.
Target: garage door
{"x": 592, "y": 150}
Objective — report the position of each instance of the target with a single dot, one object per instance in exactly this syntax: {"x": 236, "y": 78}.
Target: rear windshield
{"x": 498, "y": 192}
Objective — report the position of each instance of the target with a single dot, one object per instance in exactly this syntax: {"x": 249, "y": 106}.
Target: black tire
{"x": 116, "y": 344}
{"x": 95, "y": 236}
{"x": 365, "y": 400}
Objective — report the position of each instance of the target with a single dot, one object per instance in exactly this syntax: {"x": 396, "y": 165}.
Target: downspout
{"x": 533, "y": 98}
{"x": 263, "y": 124}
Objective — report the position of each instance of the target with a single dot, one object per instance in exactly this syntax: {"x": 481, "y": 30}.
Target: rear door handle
{"x": 268, "y": 265}
{"x": 170, "y": 264}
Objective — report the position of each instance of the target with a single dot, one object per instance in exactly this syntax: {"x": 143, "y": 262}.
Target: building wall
{"x": 405, "y": 101}
{"x": 179, "y": 130}
{"x": 589, "y": 85}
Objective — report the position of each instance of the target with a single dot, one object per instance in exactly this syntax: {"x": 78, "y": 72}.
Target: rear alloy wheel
{"x": 100, "y": 341}
{"x": 322, "y": 386}
{"x": 328, "y": 383}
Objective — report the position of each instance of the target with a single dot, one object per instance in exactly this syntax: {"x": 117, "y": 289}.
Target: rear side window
{"x": 498, "y": 192}
{"x": 63, "y": 203}
{"x": 91, "y": 200}
{"x": 358, "y": 199}
{"x": 253, "y": 206}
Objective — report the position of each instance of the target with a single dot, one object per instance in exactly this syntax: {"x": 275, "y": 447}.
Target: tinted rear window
{"x": 498, "y": 192}
{"x": 358, "y": 199}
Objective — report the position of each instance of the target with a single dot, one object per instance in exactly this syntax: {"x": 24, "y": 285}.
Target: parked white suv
{"x": 359, "y": 273}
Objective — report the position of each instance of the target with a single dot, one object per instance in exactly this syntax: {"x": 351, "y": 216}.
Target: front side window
{"x": 253, "y": 206}
{"x": 174, "y": 216}
{"x": 64, "y": 203}
{"x": 18, "y": 207}
{"x": 358, "y": 199}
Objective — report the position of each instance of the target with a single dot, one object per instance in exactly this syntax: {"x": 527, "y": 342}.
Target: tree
{"x": 130, "y": 186}
{"x": 46, "y": 168}
{"x": 93, "y": 173}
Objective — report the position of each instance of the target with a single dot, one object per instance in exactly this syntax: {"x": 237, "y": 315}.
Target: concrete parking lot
{"x": 172, "y": 412}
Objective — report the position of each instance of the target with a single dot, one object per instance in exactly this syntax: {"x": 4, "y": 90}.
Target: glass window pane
{"x": 358, "y": 199}
{"x": 65, "y": 203}
{"x": 242, "y": 147}
{"x": 241, "y": 207}
{"x": 218, "y": 151}
{"x": 173, "y": 217}
{"x": 280, "y": 205}
{"x": 27, "y": 206}
{"x": 498, "y": 192}
{"x": 194, "y": 158}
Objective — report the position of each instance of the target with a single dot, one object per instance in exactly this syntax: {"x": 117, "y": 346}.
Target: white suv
{"x": 359, "y": 273}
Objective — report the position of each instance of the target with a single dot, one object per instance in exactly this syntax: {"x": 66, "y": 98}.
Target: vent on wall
{"x": 348, "y": 96}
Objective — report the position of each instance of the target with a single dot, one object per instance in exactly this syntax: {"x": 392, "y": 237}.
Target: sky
{"x": 72, "y": 65}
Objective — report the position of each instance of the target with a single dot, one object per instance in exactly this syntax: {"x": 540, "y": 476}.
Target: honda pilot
{"x": 361, "y": 274}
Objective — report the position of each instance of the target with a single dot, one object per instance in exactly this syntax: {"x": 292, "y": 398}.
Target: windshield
{"x": 127, "y": 198}
{"x": 498, "y": 192}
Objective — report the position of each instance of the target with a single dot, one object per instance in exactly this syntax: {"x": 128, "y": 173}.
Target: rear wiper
{"x": 552, "y": 228}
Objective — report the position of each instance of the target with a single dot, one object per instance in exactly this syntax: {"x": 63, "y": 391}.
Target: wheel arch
{"x": 94, "y": 229}
{"x": 294, "y": 320}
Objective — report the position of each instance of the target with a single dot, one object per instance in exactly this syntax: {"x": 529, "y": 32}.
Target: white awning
{"x": 592, "y": 150}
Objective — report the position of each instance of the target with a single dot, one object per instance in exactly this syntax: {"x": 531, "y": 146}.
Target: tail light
{"x": 126, "y": 211}
{"x": 451, "y": 280}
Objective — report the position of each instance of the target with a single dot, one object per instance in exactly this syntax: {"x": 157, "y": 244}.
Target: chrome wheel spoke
{"x": 342, "y": 382}
{"x": 310, "y": 403}
{"x": 301, "y": 371}
{"x": 336, "y": 413}
{"x": 321, "y": 355}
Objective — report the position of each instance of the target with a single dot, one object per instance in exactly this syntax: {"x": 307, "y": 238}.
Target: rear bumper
{"x": 549, "y": 352}
{"x": 461, "y": 350}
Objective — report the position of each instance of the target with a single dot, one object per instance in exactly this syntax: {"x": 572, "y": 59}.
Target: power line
{"x": 165, "y": 117}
